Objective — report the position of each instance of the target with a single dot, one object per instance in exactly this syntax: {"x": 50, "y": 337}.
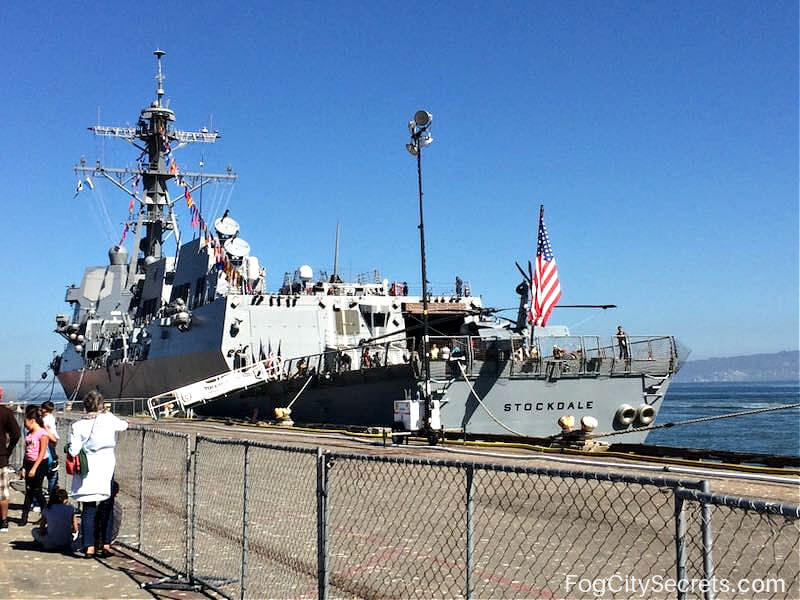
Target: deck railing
{"x": 556, "y": 356}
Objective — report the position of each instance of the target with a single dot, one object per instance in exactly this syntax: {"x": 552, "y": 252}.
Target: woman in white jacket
{"x": 96, "y": 434}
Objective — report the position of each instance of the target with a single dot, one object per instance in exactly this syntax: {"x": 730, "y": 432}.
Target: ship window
{"x": 347, "y": 322}
{"x": 373, "y": 319}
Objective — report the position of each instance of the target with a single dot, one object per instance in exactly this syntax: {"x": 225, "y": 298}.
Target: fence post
{"x": 187, "y": 516}
{"x": 322, "y": 525}
{"x": 141, "y": 492}
{"x": 469, "y": 584}
{"x": 194, "y": 511}
{"x": 705, "y": 526}
{"x": 680, "y": 545}
{"x": 245, "y": 516}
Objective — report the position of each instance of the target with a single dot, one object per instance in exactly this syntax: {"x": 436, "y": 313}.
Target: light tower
{"x": 421, "y": 138}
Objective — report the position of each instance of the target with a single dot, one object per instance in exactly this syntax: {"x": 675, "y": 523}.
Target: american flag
{"x": 546, "y": 290}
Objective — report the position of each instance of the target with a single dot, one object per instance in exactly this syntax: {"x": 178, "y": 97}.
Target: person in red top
{"x": 9, "y": 436}
{"x": 36, "y": 441}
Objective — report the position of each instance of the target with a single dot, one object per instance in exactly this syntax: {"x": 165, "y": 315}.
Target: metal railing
{"x": 557, "y": 356}
{"x": 334, "y": 362}
{"x": 254, "y": 520}
{"x": 124, "y": 407}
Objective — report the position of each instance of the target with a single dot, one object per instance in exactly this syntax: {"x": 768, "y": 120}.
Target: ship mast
{"x": 154, "y": 137}
{"x": 336, "y": 254}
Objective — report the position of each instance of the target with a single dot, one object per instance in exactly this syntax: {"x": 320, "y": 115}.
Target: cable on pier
{"x": 742, "y": 413}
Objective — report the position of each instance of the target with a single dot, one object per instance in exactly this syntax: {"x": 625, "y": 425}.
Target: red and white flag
{"x": 546, "y": 290}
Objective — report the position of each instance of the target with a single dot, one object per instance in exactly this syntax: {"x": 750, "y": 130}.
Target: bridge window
{"x": 347, "y": 322}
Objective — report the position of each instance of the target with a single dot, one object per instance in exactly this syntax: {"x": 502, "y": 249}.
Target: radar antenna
{"x": 159, "y": 76}
{"x": 153, "y": 136}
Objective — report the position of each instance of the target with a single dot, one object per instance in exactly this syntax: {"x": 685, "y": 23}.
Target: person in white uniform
{"x": 96, "y": 434}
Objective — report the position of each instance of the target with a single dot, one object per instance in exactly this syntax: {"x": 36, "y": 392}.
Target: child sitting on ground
{"x": 58, "y": 523}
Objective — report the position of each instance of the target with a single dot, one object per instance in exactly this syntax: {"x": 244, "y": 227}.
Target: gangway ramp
{"x": 184, "y": 398}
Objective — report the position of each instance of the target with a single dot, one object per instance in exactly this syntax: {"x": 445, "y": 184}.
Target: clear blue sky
{"x": 662, "y": 138}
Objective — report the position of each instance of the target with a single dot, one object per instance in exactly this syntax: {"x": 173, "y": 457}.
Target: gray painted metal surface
{"x": 148, "y": 323}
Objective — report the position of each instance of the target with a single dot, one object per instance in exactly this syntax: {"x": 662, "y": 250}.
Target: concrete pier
{"x": 28, "y": 572}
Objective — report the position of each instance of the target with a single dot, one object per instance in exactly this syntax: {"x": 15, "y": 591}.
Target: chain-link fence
{"x": 434, "y": 529}
{"x": 752, "y": 546}
{"x": 284, "y": 522}
{"x": 153, "y": 502}
{"x": 18, "y": 452}
{"x": 254, "y": 520}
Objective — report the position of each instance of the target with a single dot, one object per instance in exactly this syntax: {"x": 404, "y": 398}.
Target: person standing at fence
{"x": 9, "y": 436}
{"x": 52, "y": 455}
{"x": 622, "y": 342}
{"x": 95, "y": 434}
{"x": 34, "y": 464}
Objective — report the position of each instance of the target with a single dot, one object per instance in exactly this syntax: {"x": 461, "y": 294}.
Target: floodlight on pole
{"x": 423, "y": 119}
{"x": 421, "y": 138}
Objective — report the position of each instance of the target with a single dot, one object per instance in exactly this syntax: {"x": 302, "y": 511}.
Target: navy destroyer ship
{"x": 198, "y": 331}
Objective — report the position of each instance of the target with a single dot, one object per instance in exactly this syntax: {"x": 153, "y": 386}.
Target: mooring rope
{"x": 742, "y": 413}
{"x": 78, "y": 387}
{"x": 302, "y": 389}
{"x": 488, "y": 412}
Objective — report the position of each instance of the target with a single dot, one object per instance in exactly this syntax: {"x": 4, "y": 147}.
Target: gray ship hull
{"x": 143, "y": 379}
{"x": 524, "y": 404}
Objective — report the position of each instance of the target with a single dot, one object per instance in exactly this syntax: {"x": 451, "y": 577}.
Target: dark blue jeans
{"x": 33, "y": 486}
{"x": 52, "y": 475}
{"x": 95, "y": 523}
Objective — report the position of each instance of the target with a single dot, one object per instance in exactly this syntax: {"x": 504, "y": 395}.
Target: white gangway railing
{"x": 184, "y": 398}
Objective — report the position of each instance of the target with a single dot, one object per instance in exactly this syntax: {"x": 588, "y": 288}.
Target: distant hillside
{"x": 778, "y": 366}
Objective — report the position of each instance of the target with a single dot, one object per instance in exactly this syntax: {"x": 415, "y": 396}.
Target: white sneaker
{"x": 37, "y": 509}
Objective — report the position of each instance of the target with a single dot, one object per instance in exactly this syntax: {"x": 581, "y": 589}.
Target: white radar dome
{"x": 118, "y": 255}
{"x": 306, "y": 273}
{"x": 226, "y": 227}
{"x": 236, "y": 247}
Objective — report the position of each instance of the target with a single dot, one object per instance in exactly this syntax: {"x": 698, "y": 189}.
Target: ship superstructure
{"x": 201, "y": 323}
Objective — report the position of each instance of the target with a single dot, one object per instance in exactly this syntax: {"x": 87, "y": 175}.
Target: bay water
{"x": 775, "y": 432}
